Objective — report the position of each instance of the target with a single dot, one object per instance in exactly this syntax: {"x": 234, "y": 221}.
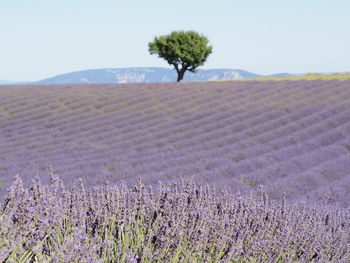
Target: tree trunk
{"x": 180, "y": 75}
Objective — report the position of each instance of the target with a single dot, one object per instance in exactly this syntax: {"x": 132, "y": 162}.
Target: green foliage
{"x": 185, "y": 50}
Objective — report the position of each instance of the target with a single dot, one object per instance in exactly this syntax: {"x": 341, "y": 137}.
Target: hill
{"x": 136, "y": 75}
{"x": 292, "y": 137}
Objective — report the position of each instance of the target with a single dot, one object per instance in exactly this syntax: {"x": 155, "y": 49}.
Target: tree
{"x": 185, "y": 50}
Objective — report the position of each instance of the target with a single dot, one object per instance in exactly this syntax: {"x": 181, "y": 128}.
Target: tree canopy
{"x": 185, "y": 50}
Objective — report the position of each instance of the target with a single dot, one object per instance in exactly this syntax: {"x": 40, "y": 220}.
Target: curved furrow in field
{"x": 287, "y": 135}
{"x": 95, "y": 133}
{"x": 73, "y": 122}
{"x": 186, "y": 140}
{"x": 252, "y": 151}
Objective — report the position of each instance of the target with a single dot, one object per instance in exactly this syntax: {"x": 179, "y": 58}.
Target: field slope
{"x": 292, "y": 137}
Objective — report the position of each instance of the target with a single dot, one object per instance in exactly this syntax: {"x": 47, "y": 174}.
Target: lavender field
{"x": 292, "y": 137}
{"x": 277, "y": 153}
{"x": 177, "y": 223}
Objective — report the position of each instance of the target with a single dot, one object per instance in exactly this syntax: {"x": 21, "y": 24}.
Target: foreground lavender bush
{"x": 183, "y": 222}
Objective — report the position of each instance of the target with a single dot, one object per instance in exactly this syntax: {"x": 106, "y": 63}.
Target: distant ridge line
{"x": 144, "y": 74}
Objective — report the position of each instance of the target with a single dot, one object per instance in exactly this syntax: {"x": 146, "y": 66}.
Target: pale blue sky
{"x": 42, "y": 38}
